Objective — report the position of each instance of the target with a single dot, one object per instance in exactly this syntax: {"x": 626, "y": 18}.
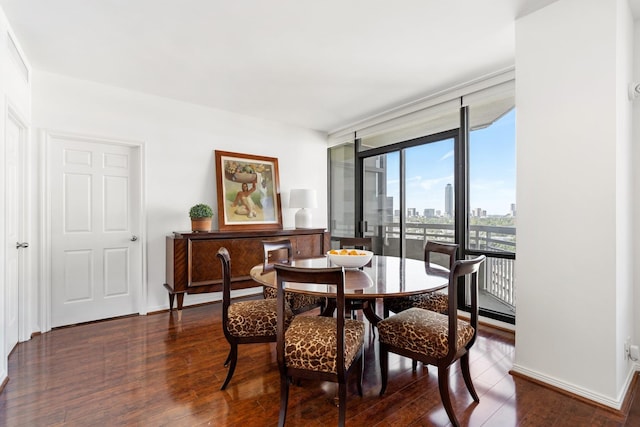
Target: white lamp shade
{"x": 303, "y": 198}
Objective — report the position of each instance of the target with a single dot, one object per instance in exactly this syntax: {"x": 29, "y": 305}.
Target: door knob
{"x": 134, "y": 238}
{"x": 22, "y": 245}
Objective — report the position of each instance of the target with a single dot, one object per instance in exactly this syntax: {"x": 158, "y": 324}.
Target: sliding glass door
{"x": 380, "y": 195}
{"x": 407, "y": 195}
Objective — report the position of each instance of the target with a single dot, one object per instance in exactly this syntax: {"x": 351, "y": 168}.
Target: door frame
{"x": 47, "y": 139}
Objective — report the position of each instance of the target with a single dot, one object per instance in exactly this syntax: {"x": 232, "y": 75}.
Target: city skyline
{"x": 430, "y": 167}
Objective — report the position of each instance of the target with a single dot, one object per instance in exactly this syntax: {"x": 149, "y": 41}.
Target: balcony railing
{"x": 498, "y": 278}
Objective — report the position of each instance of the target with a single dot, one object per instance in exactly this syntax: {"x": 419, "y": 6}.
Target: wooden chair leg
{"x": 414, "y": 365}
{"x": 359, "y": 372}
{"x": 443, "y": 385}
{"x": 284, "y": 399}
{"x": 342, "y": 404}
{"x": 226, "y": 362}
{"x": 466, "y": 374}
{"x": 384, "y": 367}
{"x": 232, "y": 360}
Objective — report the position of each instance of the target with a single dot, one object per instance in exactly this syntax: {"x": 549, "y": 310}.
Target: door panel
{"x": 116, "y": 272}
{"x": 116, "y": 203}
{"x": 96, "y": 265}
{"x": 381, "y": 198}
{"x": 77, "y": 209}
{"x": 78, "y": 275}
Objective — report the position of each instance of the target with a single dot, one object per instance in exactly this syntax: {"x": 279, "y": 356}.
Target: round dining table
{"x": 383, "y": 277}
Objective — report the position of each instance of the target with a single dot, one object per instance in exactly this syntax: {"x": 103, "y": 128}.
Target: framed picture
{"x": 248, "y": 192}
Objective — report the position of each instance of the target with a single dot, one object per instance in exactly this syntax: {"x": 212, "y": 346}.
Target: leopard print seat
{"x": 307, "y": 347}
{"x": 254, "y": 318}
{"x": 422, "y": 331}
{"x": 297, "y": 302}
{"x": 434, "y": 301}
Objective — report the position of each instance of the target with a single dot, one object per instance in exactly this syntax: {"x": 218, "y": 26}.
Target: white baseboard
{"x": 579, "y": 391}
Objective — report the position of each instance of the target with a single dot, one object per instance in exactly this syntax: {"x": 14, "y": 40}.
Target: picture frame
{"x": 248, "y": 192}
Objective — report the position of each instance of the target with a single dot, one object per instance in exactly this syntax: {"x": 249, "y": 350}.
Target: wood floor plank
{"x": 157, "y": 370}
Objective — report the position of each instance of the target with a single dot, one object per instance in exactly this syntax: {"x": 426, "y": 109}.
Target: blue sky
{"x": 492, "y": 170}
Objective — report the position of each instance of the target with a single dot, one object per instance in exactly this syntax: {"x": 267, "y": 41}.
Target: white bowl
{"x": 350, "y": 261}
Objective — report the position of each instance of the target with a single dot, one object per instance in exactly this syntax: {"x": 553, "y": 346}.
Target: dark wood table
{"x": 383, "y": 277}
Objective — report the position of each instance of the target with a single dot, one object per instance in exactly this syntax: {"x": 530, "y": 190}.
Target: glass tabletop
{"x": 384, "y": 276}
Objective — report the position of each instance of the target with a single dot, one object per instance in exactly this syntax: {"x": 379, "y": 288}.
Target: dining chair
{"x": 317, "y": 347}
{"x": 434, "y": 338}
{"x": 281, "y": 252}
{"x": 364, "y": 243}
{"x": 245, "y": 322}
{"x": 435, "y": 301}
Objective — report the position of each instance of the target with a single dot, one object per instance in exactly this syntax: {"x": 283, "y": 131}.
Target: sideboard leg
{"x": 171, "y": 295}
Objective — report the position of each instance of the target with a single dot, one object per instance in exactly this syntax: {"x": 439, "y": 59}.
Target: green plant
{"x": 200, "y": 211}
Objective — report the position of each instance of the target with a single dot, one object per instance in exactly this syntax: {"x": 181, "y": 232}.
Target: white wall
{"x": 179, "y": 141}
{"x": 636, "y": 187}
{"x": 574, "y": 265}
{"x": 624, "y": 195}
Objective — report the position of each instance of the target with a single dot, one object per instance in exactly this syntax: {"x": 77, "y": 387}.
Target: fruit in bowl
{"x": 349, "y": 258}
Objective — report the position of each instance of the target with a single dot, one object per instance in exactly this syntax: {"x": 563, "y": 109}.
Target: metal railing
{"x": 498, "y": 277}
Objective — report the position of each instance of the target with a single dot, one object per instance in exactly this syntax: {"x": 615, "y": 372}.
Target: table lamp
{"x": 304, "y": 199}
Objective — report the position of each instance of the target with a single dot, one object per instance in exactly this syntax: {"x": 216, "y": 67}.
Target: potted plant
{"x": 201, "y": 215}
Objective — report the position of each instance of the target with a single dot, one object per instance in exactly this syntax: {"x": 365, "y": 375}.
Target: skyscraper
{"x": 448, "y": 200}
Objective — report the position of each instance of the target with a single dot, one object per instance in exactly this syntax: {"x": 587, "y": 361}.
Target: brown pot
{"x": 201, "y": 224}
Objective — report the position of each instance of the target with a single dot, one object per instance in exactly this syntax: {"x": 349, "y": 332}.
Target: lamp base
{"x": 303, "y": 218}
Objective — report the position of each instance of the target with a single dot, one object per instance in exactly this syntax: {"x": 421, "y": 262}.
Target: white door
{"x": 15, "y": 137}
{"x": 95, "y": 251}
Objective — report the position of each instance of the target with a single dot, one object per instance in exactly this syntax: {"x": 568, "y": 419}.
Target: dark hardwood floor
{"x": 155, "y": 370}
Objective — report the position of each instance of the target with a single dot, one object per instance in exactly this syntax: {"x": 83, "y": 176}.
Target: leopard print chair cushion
{"x": 269, "y": 293}
{"x": 422, "y": 331}
{"x": 297, "y": 302}
{"x": 434, "y": 301}
{"x": 310, "y": 343}
{"x": 254, "y": 318}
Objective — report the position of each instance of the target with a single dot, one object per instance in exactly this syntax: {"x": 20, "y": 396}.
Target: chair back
{"x": 364, "y": 243}
{"x": 276, "y": 251}
{"x": 225, "y": 259}
{"x": 333, "y": 276}
{"x": 463, "y": 269}
{"x": 449, "y": 249}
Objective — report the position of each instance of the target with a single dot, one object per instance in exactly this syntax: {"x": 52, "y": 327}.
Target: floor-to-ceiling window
{"x": 492, "y": 213}
{"x": 448, "y": 175}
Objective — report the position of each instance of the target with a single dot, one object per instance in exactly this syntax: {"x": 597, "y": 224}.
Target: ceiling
{"x": 316, "y": 64}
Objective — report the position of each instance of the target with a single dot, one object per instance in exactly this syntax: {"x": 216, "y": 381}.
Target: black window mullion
{"x": 403, "y": 203}
{"x": 358, "y": 194}
{"x": 462, "y": 193}
{"x": 462, "y": 183}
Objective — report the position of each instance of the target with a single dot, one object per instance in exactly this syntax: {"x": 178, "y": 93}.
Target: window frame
{"x": 461, "y": 137}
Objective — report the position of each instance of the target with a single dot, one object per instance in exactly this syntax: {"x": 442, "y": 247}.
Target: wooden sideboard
{"x": 192, "y": 266}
